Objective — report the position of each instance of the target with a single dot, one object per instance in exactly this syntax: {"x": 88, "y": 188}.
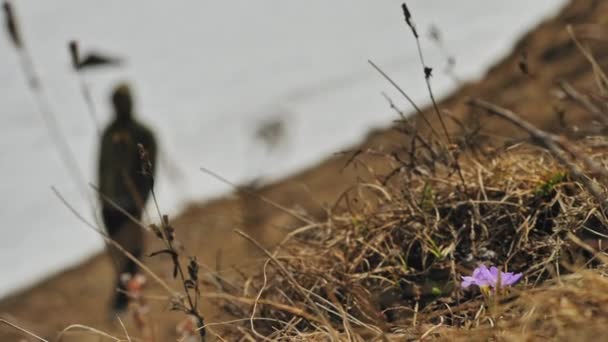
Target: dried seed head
{"x": 11, "y": 24}
{"x": 156, "y": 231}
{"x": 428, "y": 72}
{"x": 406, "y": 13}
{"x": 176, "y": 302}
{"x": 169, "y": 230}
{"x": 146, "y": 164}
{"x": 73, "y": 45}
{"x": 193, "y": 269}
{"x": 95, "y": 59}
{"x": 408, "y": 19}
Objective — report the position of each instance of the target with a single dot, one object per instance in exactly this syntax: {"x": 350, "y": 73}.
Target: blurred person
{"x": 123, "y": 183}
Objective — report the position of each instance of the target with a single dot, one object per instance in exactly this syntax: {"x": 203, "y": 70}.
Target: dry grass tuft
{"x": 389, "y": 259}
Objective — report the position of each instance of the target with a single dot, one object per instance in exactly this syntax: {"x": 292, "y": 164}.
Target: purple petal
{"x": 509, "y": 278}
{"x": 479, "y": 277}
{"x": 484, "y": 276}
{"x": 468, "y": 281}
{"x": 476, "y": 273}
{"x": 480, "y": 269}
{"x": 480, "y": 272}
{"x": 487, "y": 277}
{"x": 494, "y": 272}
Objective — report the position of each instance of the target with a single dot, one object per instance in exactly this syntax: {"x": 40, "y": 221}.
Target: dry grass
{"x": 388, "y": 261}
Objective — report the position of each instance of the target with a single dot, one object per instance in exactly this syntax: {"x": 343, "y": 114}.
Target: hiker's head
{"x": 123, "y": 102}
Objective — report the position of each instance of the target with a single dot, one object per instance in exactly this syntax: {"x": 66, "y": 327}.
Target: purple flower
{"x": 484, "y": 277}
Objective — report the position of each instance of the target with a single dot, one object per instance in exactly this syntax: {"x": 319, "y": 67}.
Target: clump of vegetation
{"x": 389, "y": 261}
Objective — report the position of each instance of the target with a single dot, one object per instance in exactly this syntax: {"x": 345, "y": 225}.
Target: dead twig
{"x": 546, "y": 140}
{"x": 23, "y": 330}
{"x": 584, "y": 102}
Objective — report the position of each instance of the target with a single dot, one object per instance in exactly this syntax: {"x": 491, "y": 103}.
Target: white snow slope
{"x": 205, "y": 72}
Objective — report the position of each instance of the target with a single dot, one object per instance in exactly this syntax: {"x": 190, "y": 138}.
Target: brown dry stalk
{"x": 22, "y": 330}
{"x": 546, "y": 140}
{"x": 288, "y": 275}
{"x": 584, "y": 102}
{"x": 600, "y": 77}
{"x": 252, "y": 301}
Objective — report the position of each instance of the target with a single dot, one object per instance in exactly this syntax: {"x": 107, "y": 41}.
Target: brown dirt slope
{"x": 80, "y": 295}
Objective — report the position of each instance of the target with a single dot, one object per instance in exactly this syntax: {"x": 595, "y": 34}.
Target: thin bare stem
{"x": 85, "y": 328}
{"x": 426, "y": 69}
{"x": 88, "y": 99}
{"x": 405, "y": 95}
{"x": 113, "y": 243}
{"x": 23, "y": 330}
{"x": 584, "y": 102}
{"x": 261, "y": 197}
{"x": 546, "y": 140}
{"x": 48, "y": 116}
{"x": 288, "y": 275}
